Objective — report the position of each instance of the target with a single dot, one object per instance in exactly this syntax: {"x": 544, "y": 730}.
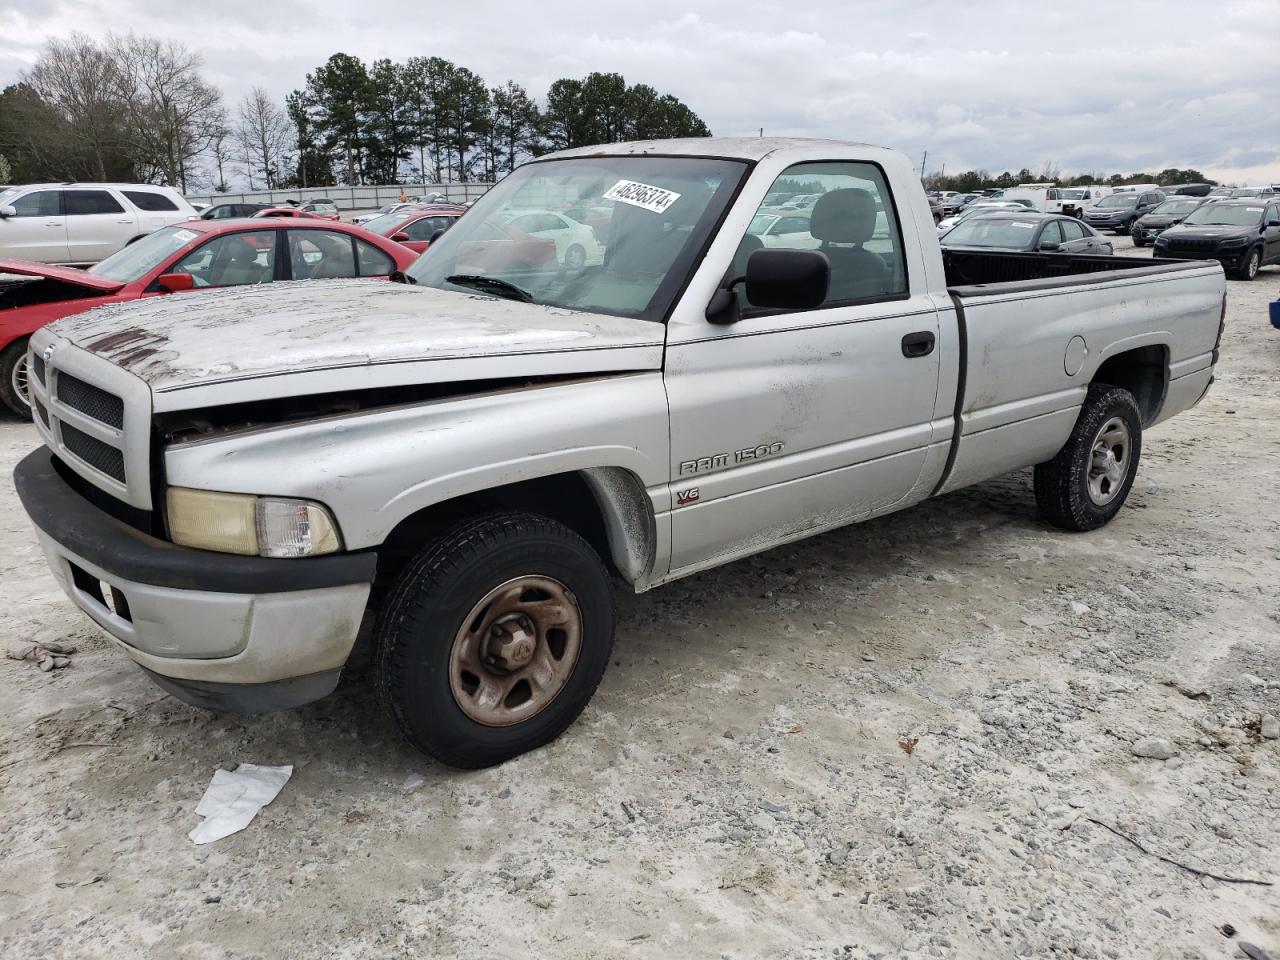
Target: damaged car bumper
{"x": 223, "y": 632}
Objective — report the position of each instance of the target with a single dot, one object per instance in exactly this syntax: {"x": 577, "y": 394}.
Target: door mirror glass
{"x": 1049, "y": 245}
{"x": 787, "y": 279}
{"x": 175, "y": 282}
{"x": 400, "y": 237}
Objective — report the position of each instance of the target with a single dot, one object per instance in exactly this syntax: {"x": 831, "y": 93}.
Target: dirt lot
{"x": 741, "y": 785}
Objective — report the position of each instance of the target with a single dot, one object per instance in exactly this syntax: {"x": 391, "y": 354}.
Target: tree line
{"x": 137, "y": 109}
{"x": 972, "y": 181}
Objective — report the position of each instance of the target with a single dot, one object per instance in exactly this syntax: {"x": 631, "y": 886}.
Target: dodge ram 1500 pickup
{"x": 245, "y": 487}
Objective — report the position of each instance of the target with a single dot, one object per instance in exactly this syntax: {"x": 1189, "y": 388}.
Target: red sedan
{"x": 196, "y": 255}
{"x": 415, "y": 228}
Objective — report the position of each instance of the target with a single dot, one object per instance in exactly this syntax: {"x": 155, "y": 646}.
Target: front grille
{"x": 101, "y": 456}
{"x": 145, "y": 520}
{"x": 37, "y": 365}
{"x": 91, "y": 401}
{"x": 41, "y": 412}
{"x": 1180, "y": 243}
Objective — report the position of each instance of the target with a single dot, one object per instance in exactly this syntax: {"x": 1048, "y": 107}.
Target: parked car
{"x": 1243, "y": 235}
{"x": 1042, "y": 197}
{"x": 295, "y": 212}
{"x": 1121, "y": 210}
{"x": 976, "y": 208}
{"x": 1150, "y": 225}
{"x": 1025, "y": 231}
{"x": 81, "y": 223}
{"x": 1074, "y": 201}
{"x": 325, "y": 209}
{"x": 494, "y": 451}
{"x": 196, "y": 255}
{"x": 232, "y": 211}
{"x": 414, "y": 228}
{"x": 1260, "y": 193}
{"x": 576, "y": 243}
{"x": 1187, "y": 190}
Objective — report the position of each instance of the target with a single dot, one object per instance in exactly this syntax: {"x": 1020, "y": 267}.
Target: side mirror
{"x": 400, "y": 237}
{"x": 777, "y": 280}
{"x": 436, "y": 236}
{"x": 1050, "y": 245}
{"x": 175, "y": 282}
{"x": 8, "y": 210}
{"x": 1273, "y": 222}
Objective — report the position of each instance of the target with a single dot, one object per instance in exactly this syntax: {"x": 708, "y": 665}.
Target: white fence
{"x": 350, "y": 198}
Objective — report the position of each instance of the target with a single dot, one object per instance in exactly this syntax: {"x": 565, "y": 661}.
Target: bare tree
{"x": 264, "y": 133}
{"x": 220, "y": 151}
{"x": 82, "y": 83}
{"x": 172, "y": 112}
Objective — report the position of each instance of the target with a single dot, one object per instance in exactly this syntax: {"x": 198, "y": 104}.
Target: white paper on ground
{"x": 232, "y": 800}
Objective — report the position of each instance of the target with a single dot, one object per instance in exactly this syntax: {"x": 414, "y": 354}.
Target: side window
{"x": 145, "y": 200}
{"x": 1071, "y": 230}
{"x": 81, "y": 203}
{"x": 321, "y": 255}
{"x": 232, "y": 260}
{"x": 425, "y": 228}
{"x": 1051, "y": 233}
{"x": 851, "y": 219}
{"x": 372, "y": 261}
{"x": 42, "y": 203}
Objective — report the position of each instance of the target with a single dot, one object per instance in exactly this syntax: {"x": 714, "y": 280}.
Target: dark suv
{"x": 1120, "y": 211}
{"x": 1151, "y": 225}
{"x": 1242, "y": 235}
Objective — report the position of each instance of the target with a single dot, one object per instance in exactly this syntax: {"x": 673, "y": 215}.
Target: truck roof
{"x": 734, "y": 148}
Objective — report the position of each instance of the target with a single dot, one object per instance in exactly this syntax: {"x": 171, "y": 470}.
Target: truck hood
{"x": 292, "y": 339}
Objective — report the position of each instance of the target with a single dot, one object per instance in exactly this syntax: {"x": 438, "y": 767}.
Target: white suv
{"x": 83, "y": 222}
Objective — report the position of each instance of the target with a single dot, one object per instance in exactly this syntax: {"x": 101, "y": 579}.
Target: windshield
{"x": 1247, "y": 192}
{"x": 655, "y": 214}
{"x": 1174, "y": 207}
{"x": 140, "y": 258}
{"x": 382, "y": 225}
{"x": 1225, "y": 215}
{"x": 991, "y": 232}
{"x": 1119, "y": 200}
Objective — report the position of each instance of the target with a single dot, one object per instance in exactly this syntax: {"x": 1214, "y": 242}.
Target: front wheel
{"x": 575, "y": 258}
{"x": 1139, "y": 240}
{"x": 14, "y": 389}
{"x": 1252, "y": 264}
{"x": 494, "y": 638}
{"x": 1086, "y": 484}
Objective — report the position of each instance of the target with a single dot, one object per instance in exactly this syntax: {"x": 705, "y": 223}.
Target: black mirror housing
{"x": 787, "y": 279}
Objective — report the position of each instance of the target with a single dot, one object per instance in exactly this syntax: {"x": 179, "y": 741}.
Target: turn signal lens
{"x": 250, "y": 526}
{"x": 294, "y": 528}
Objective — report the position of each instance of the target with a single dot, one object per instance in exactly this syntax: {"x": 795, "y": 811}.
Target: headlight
{"x": 248, "y": 525}
{"x": 1234, "y": 242}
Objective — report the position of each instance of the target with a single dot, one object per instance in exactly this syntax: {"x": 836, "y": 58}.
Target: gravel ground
{"x": 911, "y": 738}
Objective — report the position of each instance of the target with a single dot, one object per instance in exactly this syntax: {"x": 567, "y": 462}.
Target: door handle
{"x": 124, "y": 221}
{"x": 917, "y": 344}
{"x": 53, "y": 223}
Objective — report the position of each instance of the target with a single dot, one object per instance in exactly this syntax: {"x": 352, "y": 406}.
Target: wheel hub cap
{"x": 515, "y": 651}
{"x": 1109, "y": 465}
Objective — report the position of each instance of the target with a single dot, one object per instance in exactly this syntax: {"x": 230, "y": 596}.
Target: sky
{"x": 1082, "y": 86}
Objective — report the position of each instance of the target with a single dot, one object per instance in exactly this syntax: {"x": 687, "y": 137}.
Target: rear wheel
{"x": 1086, "y": 484}
{"x": 494, "y": 638}
{"x": 14, "y": 390}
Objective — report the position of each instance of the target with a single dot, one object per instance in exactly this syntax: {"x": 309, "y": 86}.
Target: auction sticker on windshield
{"x": 654, "y": 199}
{"x": 186, "y": 236}
{"x": 1024, "y": 226}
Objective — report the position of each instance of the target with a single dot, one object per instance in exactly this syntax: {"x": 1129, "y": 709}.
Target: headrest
{"x": 844, "y": 216}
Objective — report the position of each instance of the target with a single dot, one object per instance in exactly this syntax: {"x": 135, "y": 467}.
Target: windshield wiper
{"x": 495, "y": 285}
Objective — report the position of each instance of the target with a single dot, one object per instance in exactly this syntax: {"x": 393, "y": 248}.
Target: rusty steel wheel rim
{"x": 515, "y": 651}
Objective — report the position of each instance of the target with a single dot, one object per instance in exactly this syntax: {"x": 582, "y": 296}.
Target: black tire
{"x": 1250, "y": 265}
{"x": 439, "y": 591}
{"x": 1062, "y": 484}
{"x": 13, "y": 361}
{"x": 575, "y": 258}
{"x": 1139, "y": 240}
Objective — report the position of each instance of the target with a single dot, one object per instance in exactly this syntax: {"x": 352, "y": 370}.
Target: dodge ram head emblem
{"x": 48, "y": 353}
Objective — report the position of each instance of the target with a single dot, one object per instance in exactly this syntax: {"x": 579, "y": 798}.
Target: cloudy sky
{"x": 1128, "y": 85}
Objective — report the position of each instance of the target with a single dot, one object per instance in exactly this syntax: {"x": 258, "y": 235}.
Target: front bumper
{"x": 224, "y": 631}
{"x": 1231, "y": 258}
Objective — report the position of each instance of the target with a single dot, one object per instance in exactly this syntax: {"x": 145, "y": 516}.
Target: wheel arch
{"x": 1144, "y": 372}
{"x": 607, "y": 506}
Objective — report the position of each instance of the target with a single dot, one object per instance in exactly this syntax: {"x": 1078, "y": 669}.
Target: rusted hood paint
{"x": 289, "y": 339}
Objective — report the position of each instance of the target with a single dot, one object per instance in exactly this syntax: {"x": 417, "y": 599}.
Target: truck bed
{"x": 973, "y": 267}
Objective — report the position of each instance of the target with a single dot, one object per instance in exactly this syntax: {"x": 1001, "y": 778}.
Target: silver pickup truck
{"x": 248, "y": 487}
